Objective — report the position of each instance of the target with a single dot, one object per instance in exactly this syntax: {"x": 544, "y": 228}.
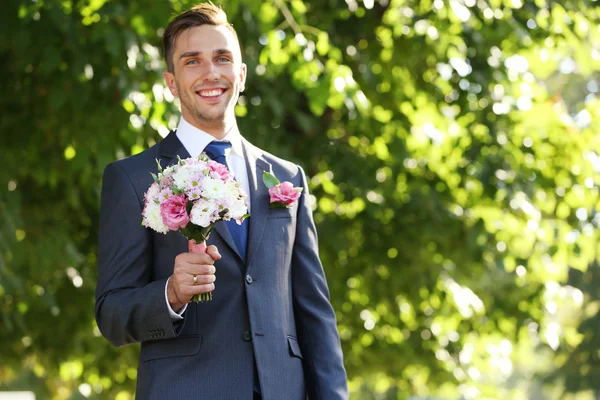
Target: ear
{"x": 170, "y": 81}
{"x": 243, "y": 73}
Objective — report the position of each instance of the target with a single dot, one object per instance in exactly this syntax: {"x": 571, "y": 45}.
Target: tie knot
{"x": 216, "y": 149}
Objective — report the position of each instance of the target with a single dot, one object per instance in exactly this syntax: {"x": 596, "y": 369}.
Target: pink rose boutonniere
{"x": 282, "y": 194}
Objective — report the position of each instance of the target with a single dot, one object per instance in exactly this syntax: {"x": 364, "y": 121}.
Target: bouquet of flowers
{"x": 191, "y": 197}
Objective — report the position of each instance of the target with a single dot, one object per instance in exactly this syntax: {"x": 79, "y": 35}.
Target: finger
{"x": 185, "y": 270}
{"x": 204, "y": 274}
{"x": 189, "y": 291}
{"x": 184, "y": 259}
{"x": 202, "y": 279}
{"x": 213, "y": 252}
{"x": 209, "y": 287}
{"x": 196, "y": 258}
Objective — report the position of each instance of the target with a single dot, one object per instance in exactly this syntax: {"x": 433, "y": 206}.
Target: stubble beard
{"x": 216, "y": 117}
{"x": 211, "y": 117}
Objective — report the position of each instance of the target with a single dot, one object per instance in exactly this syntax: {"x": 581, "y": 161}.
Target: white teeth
{"x": 211, "y": 93}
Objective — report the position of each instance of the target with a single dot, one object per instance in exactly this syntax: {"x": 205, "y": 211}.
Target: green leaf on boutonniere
{"x": 160, "y": 169}
{"x": 154, "y": 176}
{"x": 270, "y": 180}
{"x": 278, "y": 204}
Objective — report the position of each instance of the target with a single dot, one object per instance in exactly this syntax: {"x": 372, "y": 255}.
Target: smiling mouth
{"x": 211, "y": 93}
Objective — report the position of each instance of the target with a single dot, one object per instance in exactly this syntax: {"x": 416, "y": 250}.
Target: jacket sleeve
{"x": 315, "y": 319}
{"x": 130, "y": 305}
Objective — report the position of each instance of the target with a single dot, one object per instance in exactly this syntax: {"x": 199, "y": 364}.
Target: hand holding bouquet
{"x": 191, "y": 197}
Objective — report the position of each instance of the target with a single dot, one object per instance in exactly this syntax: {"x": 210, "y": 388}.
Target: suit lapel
{"x": 259, "y": 197}
{"x": 170, "y": 148}
{"x": 221, "y": 230}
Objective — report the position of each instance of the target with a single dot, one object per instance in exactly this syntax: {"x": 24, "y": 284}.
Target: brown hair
{"x": 201, "y": 14}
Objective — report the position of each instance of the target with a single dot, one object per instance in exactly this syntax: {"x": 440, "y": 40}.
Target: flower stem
{"x": 202, "y": 298}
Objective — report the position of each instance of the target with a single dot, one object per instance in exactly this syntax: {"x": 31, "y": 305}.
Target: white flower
{"x": 238, "y": 209}
{"x": 181, "y": 177}
{"x": 169, "y": 170}
{"x": 153, "y": 219}
{"x": 203, "y": 213}
{"x": 214, "y": 189}
{"x": 234, "y": 189}
{"x": 196, "y": 168}
{"x": 152, "y": 192}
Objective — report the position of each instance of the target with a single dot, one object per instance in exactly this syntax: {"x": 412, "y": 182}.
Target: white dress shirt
{"x": 195, "y": 141}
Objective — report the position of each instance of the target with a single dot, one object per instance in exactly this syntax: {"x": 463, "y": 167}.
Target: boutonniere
{"x": 282, "y": 194}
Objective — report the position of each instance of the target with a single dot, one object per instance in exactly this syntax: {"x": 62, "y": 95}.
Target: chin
{"x": 211, "y": 118}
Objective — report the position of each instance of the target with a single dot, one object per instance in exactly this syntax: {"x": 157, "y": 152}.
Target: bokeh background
{"x": 453, "y": 154}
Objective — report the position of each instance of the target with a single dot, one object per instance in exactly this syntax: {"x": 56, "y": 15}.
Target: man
{"x": 270, "y": 331}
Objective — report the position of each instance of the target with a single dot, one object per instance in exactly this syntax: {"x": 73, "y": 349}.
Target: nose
{"x": 211, "y": 72}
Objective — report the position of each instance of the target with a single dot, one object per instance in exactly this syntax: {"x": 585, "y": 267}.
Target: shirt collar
{"x": 195, "y": 140}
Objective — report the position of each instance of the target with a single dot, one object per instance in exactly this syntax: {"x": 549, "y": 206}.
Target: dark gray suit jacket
{"x": 271, "y": 312}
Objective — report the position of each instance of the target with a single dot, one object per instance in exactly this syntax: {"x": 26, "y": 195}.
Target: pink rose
{"x": 174, "y": 213}
{"x": 284, "y": 193}
{"x": 219, "y": 169}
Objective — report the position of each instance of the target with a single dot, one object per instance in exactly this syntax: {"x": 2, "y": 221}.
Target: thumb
{"x": 213, "y": 252}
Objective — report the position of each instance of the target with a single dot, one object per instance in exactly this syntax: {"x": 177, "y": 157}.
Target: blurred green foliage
{"x": 454, "y": 158}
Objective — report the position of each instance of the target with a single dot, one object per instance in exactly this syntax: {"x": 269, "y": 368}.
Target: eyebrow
{"x": 197, "y": 53}
{"x": 189, "y": 54}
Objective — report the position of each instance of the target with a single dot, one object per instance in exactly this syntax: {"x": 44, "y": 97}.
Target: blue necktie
{"x": 216, "y": 151}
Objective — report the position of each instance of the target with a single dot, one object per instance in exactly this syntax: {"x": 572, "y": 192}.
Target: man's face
{"x": 207, "y": 77}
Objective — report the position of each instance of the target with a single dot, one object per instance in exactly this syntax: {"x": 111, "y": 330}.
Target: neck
{"x": 217, "y": 129}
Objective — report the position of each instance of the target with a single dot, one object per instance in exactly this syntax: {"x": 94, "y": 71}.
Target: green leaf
{"x": 270, "y": 180}
{"x": 245, "y": 216}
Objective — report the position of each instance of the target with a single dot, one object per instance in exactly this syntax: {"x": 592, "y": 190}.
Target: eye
{"x": 191, "y": 62}
{"x": 223, "y": 59}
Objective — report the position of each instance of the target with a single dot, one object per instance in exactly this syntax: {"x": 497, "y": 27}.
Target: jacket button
{"x": 249, "y": 279}
{"x": 247, "y": 336}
